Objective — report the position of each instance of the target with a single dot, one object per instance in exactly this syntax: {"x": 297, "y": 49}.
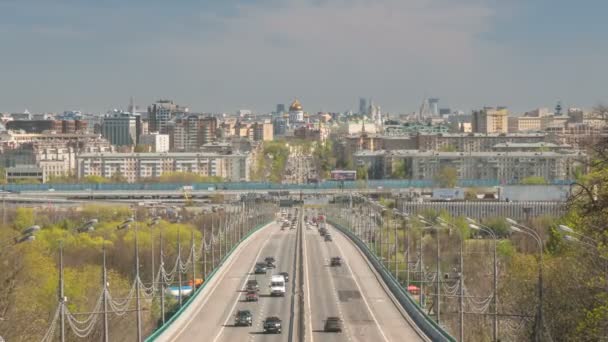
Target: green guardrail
{"x": 428, "y": 326}
{"x": 191, "y": 298}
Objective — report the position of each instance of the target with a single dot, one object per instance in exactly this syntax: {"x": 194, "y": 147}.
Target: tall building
{"x": 160, "y": 113}
{"x": 280, "y": 108}
{"x": 120, "y": 129}
{"x": 362, "y": 106}
{"x": 190, "y": 132}
{"x": 434, "y": 106}
{"x": 263, "y": 131}
{"x": 491, "y": 120}
{"x": 156, "y": 142}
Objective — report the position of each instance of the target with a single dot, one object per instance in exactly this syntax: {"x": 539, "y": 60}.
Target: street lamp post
{"x": 519, "y": 228}
{"x": 488, "y": 230}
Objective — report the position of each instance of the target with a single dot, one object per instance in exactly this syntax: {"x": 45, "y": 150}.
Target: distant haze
{"x": 221, "y": 56}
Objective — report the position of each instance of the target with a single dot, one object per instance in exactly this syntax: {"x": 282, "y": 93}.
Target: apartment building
{"x": 137, "y": 166}
{"x": 491, "y": 120}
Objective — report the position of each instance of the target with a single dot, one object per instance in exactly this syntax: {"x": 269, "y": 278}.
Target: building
{"x": 525, "y": 124}
{"x": 121, "y": 129}
{"x": 280, "y": 108}
{"x": 138, "y": 166}
{"x": 41, "y": 126}
{"x": 473, "y": 142}
{"x": 263, "y": 131}
{"x": 155, "y": 141}
{"x": 190, "y": 132}
{"x": 491, "y": 120}
{"x": 506, "y": 168}
{"x": 279, "y": 126}
{"x": 25, "y": 172}
{"x": 434, "y": 106}
{"x": 375, "y": 162}
{"x": 160, "y": 113}
{"x": 296, "y": 113}
{"x": 362, "y": 106}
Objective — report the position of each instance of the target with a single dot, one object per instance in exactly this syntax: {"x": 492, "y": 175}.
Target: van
{"x": 277, "y": 285}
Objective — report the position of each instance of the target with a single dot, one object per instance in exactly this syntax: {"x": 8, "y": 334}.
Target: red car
{"x": 251, "y": 296}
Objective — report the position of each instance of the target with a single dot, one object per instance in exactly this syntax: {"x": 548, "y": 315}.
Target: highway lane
{"x": 351, "y": 292}
{"x": 215, "y": 318}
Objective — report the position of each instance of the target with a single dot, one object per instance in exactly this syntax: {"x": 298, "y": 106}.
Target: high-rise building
{"x": 263, "y": 131}
{"x": 280, "y": 108}
{"x": 362, "y": 106}
{"x": 156, "y": 142}
{"x": 160, "y": 113}
{"x": 434, "y": 106}
{"x": 120, "y": 129}
{"x": 190, "y": 132}
{"x": 491, "y": 120}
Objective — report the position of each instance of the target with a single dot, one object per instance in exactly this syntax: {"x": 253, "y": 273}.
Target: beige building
{"x": 262, "y": 131}
{"x": 137, "y": 166}
{"x": 491, "y": 120}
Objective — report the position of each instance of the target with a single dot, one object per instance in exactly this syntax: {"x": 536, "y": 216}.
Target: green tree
{"x": 24, "y": 217}
{"x": 399, "y": 169}
{"x": 448, "y": 148}
{"x": 533, "y": 180}
{"x": 362, "y": 173}
{"x": 447, "y": 177}
{"x": 141, "y": 148}
{"x": 95, "y": 179}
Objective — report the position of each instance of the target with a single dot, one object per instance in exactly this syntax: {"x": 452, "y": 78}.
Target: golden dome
{"x": 296, "y": 106}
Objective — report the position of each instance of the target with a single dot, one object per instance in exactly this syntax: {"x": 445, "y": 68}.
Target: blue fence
{"x": 371, "y": 184}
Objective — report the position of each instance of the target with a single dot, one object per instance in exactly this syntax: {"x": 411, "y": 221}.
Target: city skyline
{"x": 225, "y": 56}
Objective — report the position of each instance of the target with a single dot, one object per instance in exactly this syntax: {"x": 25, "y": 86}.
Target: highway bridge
{"x": 315, "y": 291}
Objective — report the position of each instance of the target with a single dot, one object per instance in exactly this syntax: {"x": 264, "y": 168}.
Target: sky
{"x": 225, "y": 55}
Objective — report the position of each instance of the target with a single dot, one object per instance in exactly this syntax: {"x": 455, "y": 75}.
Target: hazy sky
{"x": 224, "y": 55}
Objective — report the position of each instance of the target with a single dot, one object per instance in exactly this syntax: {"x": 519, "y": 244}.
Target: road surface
{"x": 351, "y": 292}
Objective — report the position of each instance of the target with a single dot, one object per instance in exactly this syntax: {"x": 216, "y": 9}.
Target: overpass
{"x": 315, "y": 291}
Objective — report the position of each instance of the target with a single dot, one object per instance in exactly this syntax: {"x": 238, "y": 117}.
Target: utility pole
{"x": 61, "y": 294}
{"x": 106, "y": 336}
{"x": 422, "y": 277}
{"x": 396, "y": 248}
{"x": 162, "y": 280}
{"x": 179, "y": 265}
{"x": 438, "y": 276}
{"x": 212, "y": 249}
{"x": 461, "y": 299}
{"x": 137, "y": 281}
{"x": 193, "y": 249}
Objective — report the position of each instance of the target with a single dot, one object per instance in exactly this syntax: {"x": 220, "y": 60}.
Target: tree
{"x": 362, "y": 173}
{"x": 533, "y": 180}
{"x": 24, "y": 217}
{"x": 448, "y": 148}
{"x": 141, "y": 148}
{"x": 447, "y": 177}
{"x": 399, "y": 169}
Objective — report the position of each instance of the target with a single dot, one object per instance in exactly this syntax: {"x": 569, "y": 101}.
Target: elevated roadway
{"x": 352, "y": 292}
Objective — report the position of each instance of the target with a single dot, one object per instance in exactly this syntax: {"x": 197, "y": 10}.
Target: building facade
{"x": 491, "y": 120}
{"x": 156, "y": 142}
{"x": 138, "y": 166}
{"x": 121, "y": 129}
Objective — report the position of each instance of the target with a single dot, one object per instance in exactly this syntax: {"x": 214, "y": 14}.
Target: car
{"x": 333, "y": 324}
{"x": 251, "y": 296}
{"x": 336, "y": 261}
{"x": 243, "y": 318}
{"x": 285, "y": 275}
{"x": 270, "y": 264}
{"x": 272, "y": 324}
{"x": 269, "y": 259}
{"x": 252, "y": 285}
{"x": 328, "y": 237}
{"x": 260, "y": 269}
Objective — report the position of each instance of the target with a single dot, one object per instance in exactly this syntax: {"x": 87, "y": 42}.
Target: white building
{"x": 296, "y": 113}
{"x": 137, "y": 166}
{"x": 157, "y": 142}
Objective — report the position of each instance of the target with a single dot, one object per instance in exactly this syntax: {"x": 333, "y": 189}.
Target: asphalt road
{"x": 215, "y": 320}
{"x": 351, "y": 292}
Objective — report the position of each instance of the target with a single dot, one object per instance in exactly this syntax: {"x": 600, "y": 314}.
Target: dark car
{"x": 333, "y": 324}
{"x": 260, "y": 268}
{"x": 251, "y": 296}
{"x": 328, "y": 237}
{"x": 272, "y": 325}
{"x": 243, "y": 318}
{"x": 270, "y": 264}
{"x": 285, "y": 275}
{"x": 336, "y": 261}
{"x": 252, "y": 285}
{"x": 269, "y": 259}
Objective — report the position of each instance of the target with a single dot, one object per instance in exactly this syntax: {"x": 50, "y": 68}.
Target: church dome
{"x": 296, "y": 106}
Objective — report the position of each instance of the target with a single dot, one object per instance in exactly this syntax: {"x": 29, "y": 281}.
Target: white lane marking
{"x": 333, "y": 286}
{"x": 242, "y": 286}
{"x": 306, "y": 276}
{"x": 362, "y": 293}
{"x": 216, "y": 284}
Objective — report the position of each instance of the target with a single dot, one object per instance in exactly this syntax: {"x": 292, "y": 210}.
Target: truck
{"x": 277, "y": 285}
